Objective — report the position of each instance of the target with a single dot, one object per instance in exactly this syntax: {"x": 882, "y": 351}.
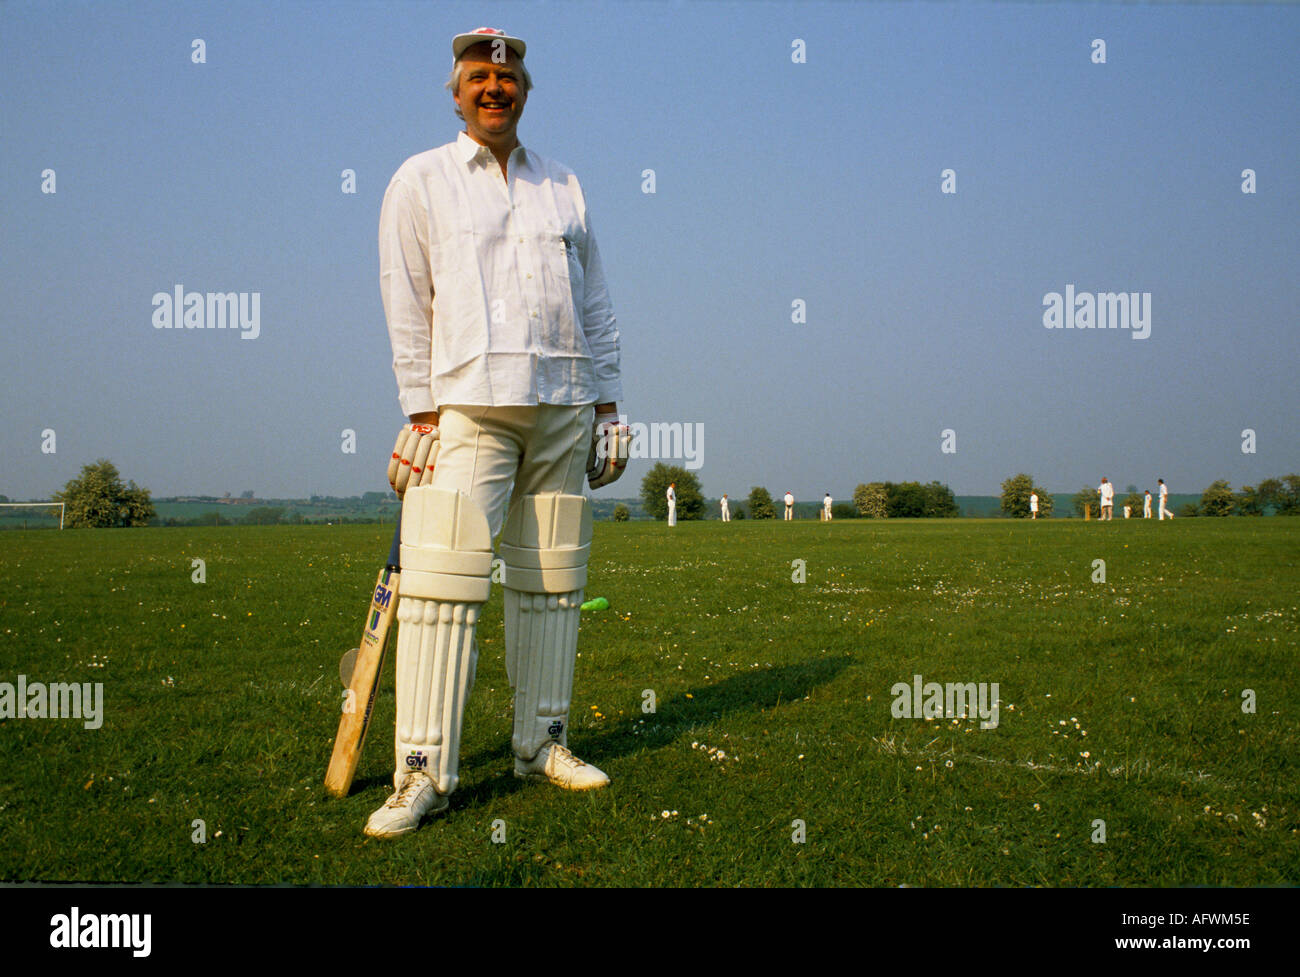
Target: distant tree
{"x": 1218, "y": 500}
{"x": 843, "y": 510}
{"x": 759, "y": 503}
{"x": 906, "y": 500}
{"x": 264, "y": 516}
{"x": 622, "y": 513}
{"x": 1189, "y": 510}
{"x": 940, "y": 503}
{"x": 1085, "y": 497}
{"x": 97, "y": 499}
{"x": 247, "y": 494}
{"x": 1269, "y": 493}
{"x": 738, "y": 512}
{"x": 654, "y": 489}
{"x": 871, "y": 500}
{"x": 1015, "y": 497}
{"x": 1287, "y": 499}
{"x": 1249, "y": 502}
{"x": 4, "y": 498}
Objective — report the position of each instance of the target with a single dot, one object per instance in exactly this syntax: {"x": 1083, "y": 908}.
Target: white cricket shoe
{"x": 554, "y": 763}
{"x": 401, "y": 814}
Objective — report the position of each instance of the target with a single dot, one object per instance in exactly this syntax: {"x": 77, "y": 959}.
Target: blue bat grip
{"x": 395, "y": 552}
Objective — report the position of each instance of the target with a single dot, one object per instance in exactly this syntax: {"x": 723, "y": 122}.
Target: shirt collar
{"x": 469, "y": 150}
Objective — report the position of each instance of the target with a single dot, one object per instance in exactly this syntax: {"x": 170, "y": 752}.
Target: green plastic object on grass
{"x": 596, "y": 604}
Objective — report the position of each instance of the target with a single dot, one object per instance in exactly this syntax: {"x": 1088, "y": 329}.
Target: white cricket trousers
{"x": 672, "y": 513}
{"x": 486, "y": 451}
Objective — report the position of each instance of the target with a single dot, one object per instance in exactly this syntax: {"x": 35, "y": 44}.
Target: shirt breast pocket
{"x": 568, "y": 242}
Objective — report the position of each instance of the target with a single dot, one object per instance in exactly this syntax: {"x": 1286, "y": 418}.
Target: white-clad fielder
{"x": 789, "y": 506}
{"x": 1033, "y": 505}
{"x": 1165, "y": 511}
{"x": 826, "y": 507}
{"x": 672, "y": 503}
{"x": 1107, "y": 492}
{"x": 726, "y": 508}
{"x": 507, "y": 362}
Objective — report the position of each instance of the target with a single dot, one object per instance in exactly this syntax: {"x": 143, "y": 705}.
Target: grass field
{"x": 1121, "y": 702}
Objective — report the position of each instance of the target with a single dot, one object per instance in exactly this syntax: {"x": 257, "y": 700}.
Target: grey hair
{"x": 453, "y": 82}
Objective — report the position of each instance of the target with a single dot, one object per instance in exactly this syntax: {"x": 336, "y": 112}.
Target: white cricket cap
{"x": 461, "y": 42}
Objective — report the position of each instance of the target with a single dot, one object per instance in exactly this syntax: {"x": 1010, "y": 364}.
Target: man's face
{"x": 491, "y": 95}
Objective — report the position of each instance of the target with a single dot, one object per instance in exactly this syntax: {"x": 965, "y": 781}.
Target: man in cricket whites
{"x": 671, "y": 495}
{"x": 1165, "y": 511}
{"x": 507, "y": 362}
{"x": 1107, "y": 492}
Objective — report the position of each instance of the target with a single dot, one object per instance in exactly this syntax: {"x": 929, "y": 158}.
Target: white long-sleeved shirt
{"x": 1107, "y": 490}
{"x": 493, "y": 287}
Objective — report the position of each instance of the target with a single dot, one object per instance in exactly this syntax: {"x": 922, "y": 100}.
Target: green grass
{"x": 221, "y": 702}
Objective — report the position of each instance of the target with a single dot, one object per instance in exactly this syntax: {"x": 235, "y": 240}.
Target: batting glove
{"x": 610, "y": 443}
{"x": 413, "y": 458}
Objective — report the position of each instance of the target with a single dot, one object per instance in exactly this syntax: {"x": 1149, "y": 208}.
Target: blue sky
{"x": 775, "y": 181}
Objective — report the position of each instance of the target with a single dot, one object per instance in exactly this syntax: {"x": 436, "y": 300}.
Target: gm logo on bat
{"x": 382, "y": 596}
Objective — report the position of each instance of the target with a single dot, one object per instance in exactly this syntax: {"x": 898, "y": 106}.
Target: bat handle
{"x": 395, "y": 551}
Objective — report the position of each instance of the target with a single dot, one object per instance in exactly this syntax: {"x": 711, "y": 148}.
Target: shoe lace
{"x": 563, "y": 754}
{"x": 411, "y": 784}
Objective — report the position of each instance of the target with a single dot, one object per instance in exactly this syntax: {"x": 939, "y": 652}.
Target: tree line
{"x": 880, "y": 500}
{"x": 98, "y": 498}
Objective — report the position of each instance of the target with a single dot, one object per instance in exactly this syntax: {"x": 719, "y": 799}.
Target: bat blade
{"x": 363, "y": 685}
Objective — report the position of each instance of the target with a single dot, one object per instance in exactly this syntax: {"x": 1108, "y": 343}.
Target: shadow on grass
{"x": 754, "y": 691}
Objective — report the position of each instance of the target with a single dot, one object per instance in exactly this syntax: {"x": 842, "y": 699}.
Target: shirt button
{"x": 529, "y": 275}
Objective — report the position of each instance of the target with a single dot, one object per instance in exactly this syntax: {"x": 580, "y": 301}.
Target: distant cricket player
{"x": 826, "y": 507}
{"x": 672, "y": 503}
{"x": 1107, "y": 492}
{"x": 789, "y": 506}
{"x": 507, "y": 362}
{"x": 1165, "y": 511}
{"x": 1033, "y": 505}
{"x": 1146, "y": 505}
{"x": 726, "y": 508}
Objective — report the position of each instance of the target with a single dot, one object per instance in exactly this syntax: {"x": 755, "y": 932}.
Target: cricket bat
{"x": 359, "y": 700}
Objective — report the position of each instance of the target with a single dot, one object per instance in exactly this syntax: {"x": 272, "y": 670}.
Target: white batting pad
{"x": 446, "y": 565}
{"x": 545, "y": 547}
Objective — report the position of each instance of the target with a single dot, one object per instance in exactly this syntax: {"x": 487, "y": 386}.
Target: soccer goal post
{"x": 6, "y": 506}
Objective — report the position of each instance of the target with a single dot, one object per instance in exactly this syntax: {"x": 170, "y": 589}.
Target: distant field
{"x": 1120, "y": 702}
